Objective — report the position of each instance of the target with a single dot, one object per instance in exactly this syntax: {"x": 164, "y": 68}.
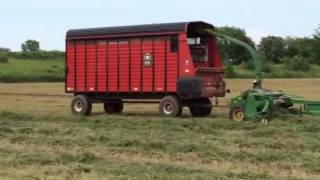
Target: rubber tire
{"x": 233, "y": 108}
{"x": 201, "y": 111}
{"x": 175, "y": 103}
{"x": 285, "y": 104}
{"x": 113, "y": 106}
{"x": 84, "y": 102}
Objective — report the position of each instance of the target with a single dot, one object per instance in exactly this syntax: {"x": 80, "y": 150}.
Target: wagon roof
{"x": 135, "y": 29}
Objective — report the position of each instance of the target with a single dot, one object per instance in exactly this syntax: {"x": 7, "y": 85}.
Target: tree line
{"x": 30, "y": 49}
{"x": 296, "y": 52}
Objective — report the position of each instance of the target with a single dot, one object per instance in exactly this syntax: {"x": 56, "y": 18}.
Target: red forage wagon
{"x": 176, "y": 63}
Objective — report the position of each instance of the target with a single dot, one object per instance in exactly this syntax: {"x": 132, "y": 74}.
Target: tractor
{"x": 259, "y": 103}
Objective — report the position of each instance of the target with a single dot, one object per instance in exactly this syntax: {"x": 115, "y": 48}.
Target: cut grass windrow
{"x": 154, "y": 147}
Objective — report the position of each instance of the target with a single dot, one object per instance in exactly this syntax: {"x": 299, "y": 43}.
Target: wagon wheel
{"x": 237, "y": 113}
{"x": 113, "y": 106}
{"x": 170, "y": 106}
{"x": 203, "y": 108}
{"x": 81, "y": 105}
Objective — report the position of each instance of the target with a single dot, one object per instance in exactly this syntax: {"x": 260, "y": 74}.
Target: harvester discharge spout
{"x": 257, "y": 83}
{"x": 258, "y": 103}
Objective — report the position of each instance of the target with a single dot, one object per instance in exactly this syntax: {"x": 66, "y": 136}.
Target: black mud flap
{"x": 189, "y": 87}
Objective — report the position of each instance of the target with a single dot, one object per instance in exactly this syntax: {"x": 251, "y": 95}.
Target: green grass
{"x": 279, "y": 71}
{"x": 155, "y": 147}
{"x": 32, "y": 71}
{"x": 53, "y": 71}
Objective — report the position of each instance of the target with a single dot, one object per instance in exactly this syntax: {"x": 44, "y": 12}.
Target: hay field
{"x": 40, "y": 139}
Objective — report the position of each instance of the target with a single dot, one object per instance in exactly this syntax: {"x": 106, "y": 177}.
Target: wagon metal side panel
{"x": 185, "y": 60}
{"x": 102, "y": 66}
{"x": 147, "y": 75}
{"x": 70, "y": 73}
{"x": 214, "y": 56}
{"x": 91, "y": 73}
{"x": 159, "y": 64}
{"x": 80, "y": 66}
{"x": 121, "y": 66}
{"x": 171, "y": 68}
{"x": 124, "y": 66}
{"x": 113, "y": 66}
{"x": 135, "y": 65}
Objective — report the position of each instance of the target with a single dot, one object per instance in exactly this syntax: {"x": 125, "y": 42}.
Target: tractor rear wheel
{"x": 81, "y": 105}
{"x": 113, "y": 106}
{"x": 202, "y": 108}
{"x": 170, "y": 106}
{"x": 236, "y": 113}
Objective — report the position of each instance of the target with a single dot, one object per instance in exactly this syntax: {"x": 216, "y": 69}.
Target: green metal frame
{"x": 308, "y": 107}
{"x": 258, "y": 103}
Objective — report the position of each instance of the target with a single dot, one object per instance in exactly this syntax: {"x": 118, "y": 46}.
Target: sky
{"x": 48, "y": 20}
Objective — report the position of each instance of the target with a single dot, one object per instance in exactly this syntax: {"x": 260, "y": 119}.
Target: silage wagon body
{"x": 174, "y": 62}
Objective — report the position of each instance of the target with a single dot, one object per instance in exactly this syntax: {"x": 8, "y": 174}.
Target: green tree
{"x": 298, "y": 47}
{"x": 272, "y": 48}
{"x": 233, "y": 53}
{"x": 296, "y": 63}
{"x": 4, "y": 54}
{"x": 316, "y": 46}
{"x": 4, "y": 50}
{"x": 30, "y": 46}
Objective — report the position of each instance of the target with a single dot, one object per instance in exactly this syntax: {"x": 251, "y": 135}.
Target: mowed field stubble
{"x": 41, "y": 139}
